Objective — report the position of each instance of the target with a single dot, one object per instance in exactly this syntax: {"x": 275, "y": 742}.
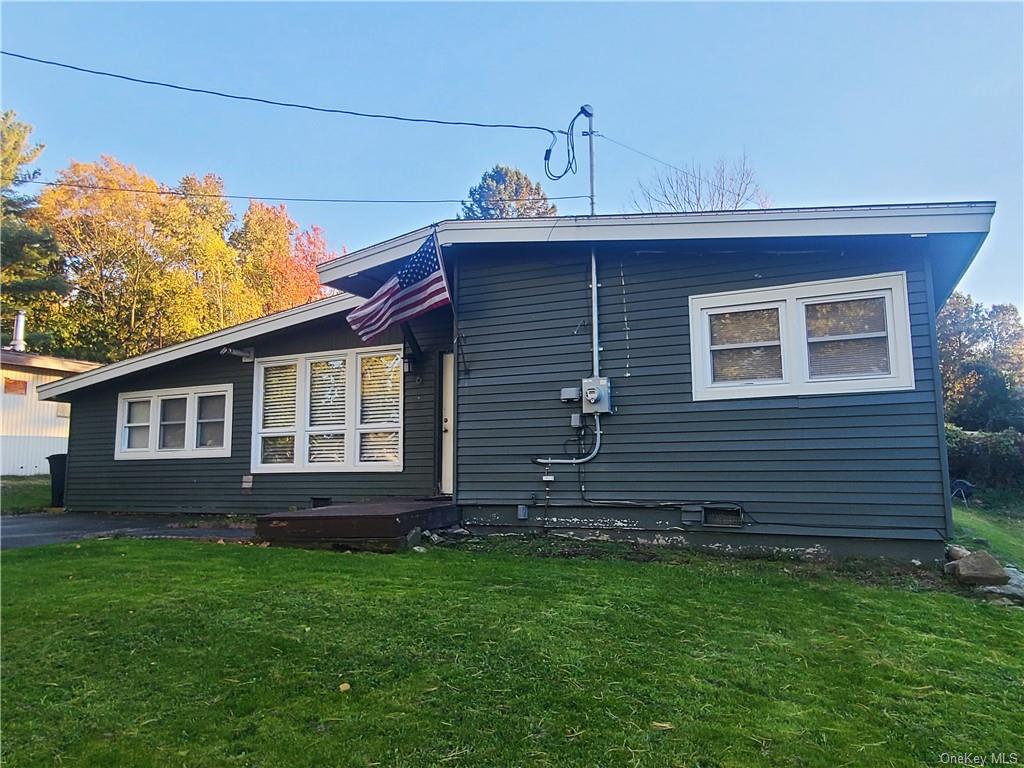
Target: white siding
{"x": 30, "y": 430}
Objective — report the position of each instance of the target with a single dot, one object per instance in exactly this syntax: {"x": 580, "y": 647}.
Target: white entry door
{"x": 448, "y": 424}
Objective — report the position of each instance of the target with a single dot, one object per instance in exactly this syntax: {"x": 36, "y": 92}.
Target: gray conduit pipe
{"x": 596, "y": 356}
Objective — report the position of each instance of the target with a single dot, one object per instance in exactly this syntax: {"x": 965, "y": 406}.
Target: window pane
{"x": 279, "y": 386}
{"x": 380, "y": 389}
{"x": 327, "y": 392}
{"x": 138, "y": 412}
{"x": 745, "y": 327}
{"x": 172, "y": 435}
{"x": 211, "y": 407}
{"x": 327, "y": 448}
{"x": 843, "y": 318}
{"x": 378, "y": 447}
{"x": 852, "y": 357}
{"x": 173, "y": 410}
{"x": 279, "y": 449}
{"x": 138, "y": 437}
{"x": 210, "y": 434}
{"x": 745, "y": 363}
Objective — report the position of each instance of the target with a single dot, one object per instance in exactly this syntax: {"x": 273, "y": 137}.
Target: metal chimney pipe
{"x": 18, "y": 342}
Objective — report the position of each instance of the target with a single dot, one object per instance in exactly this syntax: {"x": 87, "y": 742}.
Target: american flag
{"x": 417, "y": 287}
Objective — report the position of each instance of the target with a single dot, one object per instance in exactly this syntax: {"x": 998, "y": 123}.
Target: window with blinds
{"x": 847, "y": 338}
{"x": 834, "y": 336}
{"x": 380, "y": 394}
{"x": 175, "y": 423}
{"x": 329, "y": 412}
{"x": 328, "y": 386}
{"x": 746, "y": 345}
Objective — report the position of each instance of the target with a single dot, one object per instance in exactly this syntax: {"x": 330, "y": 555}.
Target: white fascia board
{"x": 234, "y": 334}
{"x": 912, "y": 219}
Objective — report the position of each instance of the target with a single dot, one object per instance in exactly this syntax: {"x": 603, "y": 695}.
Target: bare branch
{"x": 689, "y": 188}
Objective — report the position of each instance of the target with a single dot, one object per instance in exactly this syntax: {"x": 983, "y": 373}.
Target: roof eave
{"x": 232, "y": 335}
{"x": 918, "y": 218}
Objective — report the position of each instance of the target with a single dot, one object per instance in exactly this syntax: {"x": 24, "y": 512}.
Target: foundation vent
{"x": 722, "y": 515}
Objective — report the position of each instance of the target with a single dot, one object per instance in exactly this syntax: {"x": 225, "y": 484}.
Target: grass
{"x": 994, "y": 521}
{"x": 24, "y": 494}
{"x": 160, "y": 653}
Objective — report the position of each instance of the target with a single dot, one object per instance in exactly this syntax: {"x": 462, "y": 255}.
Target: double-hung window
{"x": 849, "y": 335}
{"x": 187, "y": 422}
{"x": 337, "y": 411}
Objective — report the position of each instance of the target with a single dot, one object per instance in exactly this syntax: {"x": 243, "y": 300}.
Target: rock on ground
{"x": 956, "y": 552}
{"x": 1013, "y": 589}
{"x": 980, "y": 568}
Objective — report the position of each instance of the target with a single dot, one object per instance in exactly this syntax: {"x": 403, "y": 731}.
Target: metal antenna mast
{"x": 588, "y": 112}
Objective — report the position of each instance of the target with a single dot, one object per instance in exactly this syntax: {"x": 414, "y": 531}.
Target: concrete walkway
{"x": 18, "y": 531}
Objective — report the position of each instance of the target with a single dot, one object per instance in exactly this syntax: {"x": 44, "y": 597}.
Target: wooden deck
{"x": 382, "y": 525}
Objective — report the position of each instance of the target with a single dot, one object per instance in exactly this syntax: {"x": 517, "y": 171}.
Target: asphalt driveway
{"x": 33, "y": 530}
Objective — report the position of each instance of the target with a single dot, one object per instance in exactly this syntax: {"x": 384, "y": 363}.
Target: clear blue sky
{"x": 835, "y": 104}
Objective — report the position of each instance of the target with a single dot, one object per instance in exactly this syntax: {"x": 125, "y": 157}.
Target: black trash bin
{"x": 58, "y": 469}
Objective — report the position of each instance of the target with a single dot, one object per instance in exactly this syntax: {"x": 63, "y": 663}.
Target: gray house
{"x": 742, "y": 380}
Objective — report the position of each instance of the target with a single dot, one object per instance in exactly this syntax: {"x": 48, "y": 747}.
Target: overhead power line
{"x": 553, "y": 133}
{"x": 640, "y": 152}
{"x": 282, "y": 199}
{"x": 289, "y": 104}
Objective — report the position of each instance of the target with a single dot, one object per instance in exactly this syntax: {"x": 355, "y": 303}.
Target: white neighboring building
{"x": 31, "y": 429}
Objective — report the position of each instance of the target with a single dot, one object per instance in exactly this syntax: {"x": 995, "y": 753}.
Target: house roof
{"x": 236, "y": 333}
{"x": 902, "y": 219}
{"x": 11, "y": 358}
{"x": 966, "y": 223}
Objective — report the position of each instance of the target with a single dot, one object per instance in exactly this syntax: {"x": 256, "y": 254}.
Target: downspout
{"x": 596, "y": 365}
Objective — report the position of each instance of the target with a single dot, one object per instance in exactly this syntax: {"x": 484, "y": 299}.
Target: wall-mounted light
{"x": 248, "y": 354}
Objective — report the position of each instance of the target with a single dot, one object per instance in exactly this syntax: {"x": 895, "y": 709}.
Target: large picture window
{"x": 188, "y": 422}
{"x": 329, "y": 412}
{"x": 834, "y": 336}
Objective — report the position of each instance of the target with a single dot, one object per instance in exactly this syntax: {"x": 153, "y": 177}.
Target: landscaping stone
{"x": 949, "y": 568}
{"x": 1012, "y": 589}
{"x": 980, "y": 568}
{"x": 956, "y": 552}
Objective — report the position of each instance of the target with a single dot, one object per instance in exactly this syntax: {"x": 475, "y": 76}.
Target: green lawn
{"x": 159, "y": 653}
{"x": 24, "y": 494}
{"x": 994, "y": 520}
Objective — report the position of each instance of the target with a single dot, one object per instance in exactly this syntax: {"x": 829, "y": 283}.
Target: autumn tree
{"x": 197, "y": 224}
{"x": 31, "y": 271}
{"x": 724, "y": 186}
{"x": 115, "y": 257}
{"x": 981, "y": 360}
{"x": 506, "y": 193}
{"x": 265, "y": 243}
{"x": 310, "y": 249}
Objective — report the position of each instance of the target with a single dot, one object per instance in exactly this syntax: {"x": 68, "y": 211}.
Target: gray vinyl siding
{"x": 96, "y": 482}
{"x": 864, "y": 465}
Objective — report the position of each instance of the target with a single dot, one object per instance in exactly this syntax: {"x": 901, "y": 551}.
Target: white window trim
{"x": 791, "y": 300}
{"x": 190, "y": 451}
{"x": 302, "y": 428}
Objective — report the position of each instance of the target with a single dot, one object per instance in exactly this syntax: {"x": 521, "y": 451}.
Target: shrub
{"x": 992, "y": 459}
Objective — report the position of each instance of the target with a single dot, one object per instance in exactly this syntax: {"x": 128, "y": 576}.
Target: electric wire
{"x": 276, "y": 198}
{"x": 553, "y": 133}
{"x": 648, "y": 156}
{"x": 273, "y": 102}
{"x": 570, "y": 151}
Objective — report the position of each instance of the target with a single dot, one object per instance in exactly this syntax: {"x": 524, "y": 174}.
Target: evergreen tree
{"x": 31, "y": 270}
{"x": 506, "y": 193}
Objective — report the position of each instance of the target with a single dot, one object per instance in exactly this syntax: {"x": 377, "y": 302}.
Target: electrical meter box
{"x": 597, "y": 395}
